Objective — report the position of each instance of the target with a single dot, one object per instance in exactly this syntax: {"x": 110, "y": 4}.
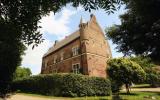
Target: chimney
{"x": 55, "y": 43}
{"x": 92, "y": 17}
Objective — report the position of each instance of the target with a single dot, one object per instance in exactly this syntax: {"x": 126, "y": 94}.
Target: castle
{"x": 85, "y": 51}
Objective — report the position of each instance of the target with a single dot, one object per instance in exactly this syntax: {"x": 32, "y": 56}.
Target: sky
{"x": 57, "y": 26}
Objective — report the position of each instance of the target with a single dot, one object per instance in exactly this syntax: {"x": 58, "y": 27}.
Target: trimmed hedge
{"x": 71, "y": 85}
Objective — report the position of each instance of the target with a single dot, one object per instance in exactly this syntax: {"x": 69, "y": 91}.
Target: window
{"x": 75, "y": 50}
{"x": 55, "y": 59}
{"x": 46, "y": 64}
{"x": 76, "y": 68}
{"x": 62, "y": 56}
{"x": 54, "y": 70}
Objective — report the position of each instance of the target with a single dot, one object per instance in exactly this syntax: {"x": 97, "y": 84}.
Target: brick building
{"x": 84, "y": 51}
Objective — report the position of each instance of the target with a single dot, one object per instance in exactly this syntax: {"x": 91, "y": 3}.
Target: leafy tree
{"x": 139, "y": 32}
{"x": 125, "y": 71}
{"x": 18, "y": 25}
{"x": 10, "y": 52}
{"x": 149, "y": 67}
{"x": 22, "y": 72}
{"x": 144, "y": 62}
{"x": 153, "y": 77}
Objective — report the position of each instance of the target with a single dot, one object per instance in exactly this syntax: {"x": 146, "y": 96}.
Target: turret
{"x": 83, "y": 29}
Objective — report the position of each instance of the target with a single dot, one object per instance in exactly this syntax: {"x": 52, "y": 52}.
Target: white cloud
{"x": 53, "y": 25}
{"x": 58, "y": 25}
{"x": 33, "y": 57}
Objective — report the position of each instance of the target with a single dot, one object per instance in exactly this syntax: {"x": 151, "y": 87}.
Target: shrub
{"x": 115, "y": 86}
{"x": 40, "y": 84}
{"x": 125, "y": 71}
{"x": 71, "y": 85}
{"x": 153, "y": 78}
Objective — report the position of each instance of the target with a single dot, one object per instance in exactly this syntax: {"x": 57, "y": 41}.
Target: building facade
{"x": 85, "y": 51}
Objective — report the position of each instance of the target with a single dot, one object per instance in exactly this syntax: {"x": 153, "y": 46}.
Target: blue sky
{"x": 57, "y": 26}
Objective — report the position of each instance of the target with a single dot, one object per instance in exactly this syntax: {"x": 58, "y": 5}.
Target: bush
{"x": 115, "y": 86}
{"x": 71, "y": 85}
{"x": 124, "y": 71}
{"x": 153, "y": 78}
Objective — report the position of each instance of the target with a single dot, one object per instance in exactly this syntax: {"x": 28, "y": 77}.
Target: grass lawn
{"x": 140, "y": 95}
{"x": 123, "y": 95}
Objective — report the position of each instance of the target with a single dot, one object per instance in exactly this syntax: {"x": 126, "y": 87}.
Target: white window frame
{"x": 75, "y": 50}
{"x": 45, "y": 64}
{"x": 54, "y": 70}
{"x": 55, "y": 59}
{"x": 76, "y": 69}
{"x": 62, "y": 56}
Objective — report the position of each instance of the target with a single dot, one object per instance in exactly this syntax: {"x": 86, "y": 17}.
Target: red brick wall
{"x": 95, "y": 52}
{"x": 65, "y": 65}
{"x": 96, "y": 48}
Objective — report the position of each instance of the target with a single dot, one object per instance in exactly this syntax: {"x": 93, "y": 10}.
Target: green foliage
{"x": 153, "y": 78}
{"x": 24, "y": 15}
{"x": 125, "y": 71}
{"x": 70, "y": 85}
{"x": 10, "y": 52}
{"x": 144, "y": 62}
{"x": 115, "y": 86}
{"x": 22, "y": 72}
{"x": 19, "y": 24}
{"x": 152, "y": 75}
{"x": 139, "y": 31}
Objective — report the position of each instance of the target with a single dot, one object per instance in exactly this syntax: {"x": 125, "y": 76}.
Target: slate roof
{"x": 63, "y": 42}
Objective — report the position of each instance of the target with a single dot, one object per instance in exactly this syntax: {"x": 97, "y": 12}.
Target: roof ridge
{"x": 63, "y": 42}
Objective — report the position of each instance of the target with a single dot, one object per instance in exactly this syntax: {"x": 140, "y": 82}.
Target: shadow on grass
{"x": 157, "y": 93}
{"x": 132, "y": 94}
{"x": 118, "y": 96}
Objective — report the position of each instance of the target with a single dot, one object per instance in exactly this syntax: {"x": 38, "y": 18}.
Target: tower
{"x": 94, "y": 48}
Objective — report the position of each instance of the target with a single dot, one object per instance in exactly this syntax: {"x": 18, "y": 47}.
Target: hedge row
{"x": 71, "y": 85}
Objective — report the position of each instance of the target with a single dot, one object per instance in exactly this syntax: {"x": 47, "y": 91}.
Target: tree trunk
{"x": 127, "y": 89}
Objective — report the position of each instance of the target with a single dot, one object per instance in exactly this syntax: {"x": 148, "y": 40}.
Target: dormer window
{"x": 75, "y": 50}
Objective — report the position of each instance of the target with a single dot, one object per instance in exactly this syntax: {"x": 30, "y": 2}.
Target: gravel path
{"x": 28, "y": 97}
{"x": 145, "y": 89}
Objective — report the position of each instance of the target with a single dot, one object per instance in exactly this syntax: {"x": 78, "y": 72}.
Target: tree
{"x": 152, "y": 70}
{"x": 153, "y": 77}
{"x": 123, "y": 70}
{"x": 10, "y": 52}
{"x": 22, "y": 72}
{"x": 149, "y": 67}
{"x": 139, "y": 32}
{"x": 18, "y": 25}
{"x": 144, "y": 62}
{"x": 24, "y": 15}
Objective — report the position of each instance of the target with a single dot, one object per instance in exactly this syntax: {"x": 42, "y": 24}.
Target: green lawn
{"x": 141, "y": 95}
{"x": 123, "y": 95}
